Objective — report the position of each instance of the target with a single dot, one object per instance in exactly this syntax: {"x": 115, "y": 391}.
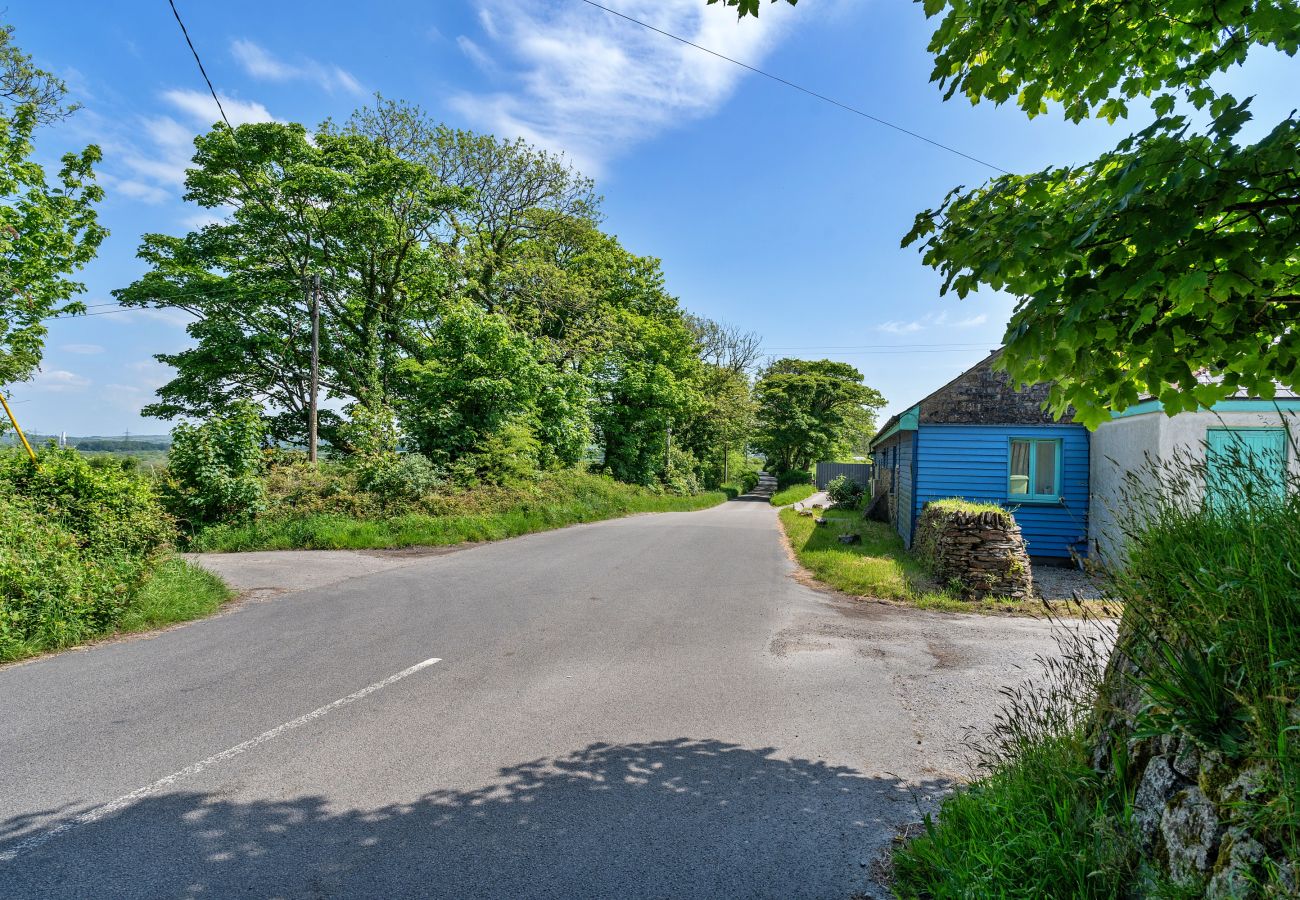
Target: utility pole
{"x": 668, "y": 453}
{"x": 314, "y": 303}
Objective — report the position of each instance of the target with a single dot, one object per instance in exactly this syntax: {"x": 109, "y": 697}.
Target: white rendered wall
{"x": 1124, "y": 445}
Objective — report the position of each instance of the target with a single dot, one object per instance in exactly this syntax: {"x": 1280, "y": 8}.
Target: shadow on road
{"x": 672, "y": 818}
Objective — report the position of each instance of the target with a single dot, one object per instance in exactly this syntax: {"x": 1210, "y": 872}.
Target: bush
{"x": 844, "y": 492}
{"x": 748, "y": 481}
{"x": 792, "y": 477}
{"x": 216, "y": 467}
{"x": 680, "y": 478}
{"x": 398, "y": 478}
{"x": 76, "y": 543}
{"x": 107, "y": 509}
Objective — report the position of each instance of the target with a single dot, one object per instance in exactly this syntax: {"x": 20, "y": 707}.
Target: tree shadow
{"x": 671, "y": 818}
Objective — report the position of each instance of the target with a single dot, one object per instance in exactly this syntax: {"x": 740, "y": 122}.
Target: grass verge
{"x": 556, "y": 501}
{"x": 177, "y": 592}
{"x": 793, "y": 494}
{"x": 881, "y": 568}
{"x": 1045, "y": 825}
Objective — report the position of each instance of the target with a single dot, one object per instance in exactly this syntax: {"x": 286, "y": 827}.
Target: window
{"x": 1035, "y": 471}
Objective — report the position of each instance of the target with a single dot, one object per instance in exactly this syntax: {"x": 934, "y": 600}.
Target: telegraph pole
{"x": 315, "y": 366}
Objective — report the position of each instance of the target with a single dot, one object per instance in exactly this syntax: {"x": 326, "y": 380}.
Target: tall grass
{"x": 1216, "y": 625}
{"x": 559, "y": 499}
{"x": 1208, "y": 652}
{"x": 792, "y": 494}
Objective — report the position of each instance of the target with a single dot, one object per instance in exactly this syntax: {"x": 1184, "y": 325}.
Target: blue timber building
{"x": 980, "y": 439}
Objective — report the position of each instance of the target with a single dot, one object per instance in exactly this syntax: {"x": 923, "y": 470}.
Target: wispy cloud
{"x": 159, "y": 148}
{"x": 59, "y": 381}
{"x": 931, "y": 320}
{"x": 83, "y": 349}
{"x": 589, "y": 84}
{"x": 259, "y": 62}
{"x": 202, "y": 108}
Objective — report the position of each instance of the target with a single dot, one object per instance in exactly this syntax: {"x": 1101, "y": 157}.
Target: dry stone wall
{"x": 1187, "y": 804}
{"x": 982, "y": 553}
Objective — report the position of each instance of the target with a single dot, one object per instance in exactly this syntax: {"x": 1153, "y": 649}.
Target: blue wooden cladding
{"x": 974, "y": 462}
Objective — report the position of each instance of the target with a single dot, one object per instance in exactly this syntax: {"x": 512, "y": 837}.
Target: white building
{"x": 1143, "y": 435}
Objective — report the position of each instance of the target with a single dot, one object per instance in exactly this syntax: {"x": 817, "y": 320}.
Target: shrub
{"x": 844, "y": 492}
{"x": 508, "y": 456}
{"x": 748, "y": 481}
{"x": 216, "y": 466}
{"x": 792, "y": 477}
{"x": 398, "y": 478}
{"x": 107, "y": 509}
{"x": 680, "y": 478}
{"x": 76, "y": 543}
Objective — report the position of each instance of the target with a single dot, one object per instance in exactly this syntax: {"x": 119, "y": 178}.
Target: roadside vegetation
{"x": 87, "y": 551}
{"x": 879, "y": 567}
{"x": 325, "y": 509}
{"x": 793, "y": 494}
{"x": 1205, "y": 679}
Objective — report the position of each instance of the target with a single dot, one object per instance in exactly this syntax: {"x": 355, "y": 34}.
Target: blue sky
{"x": 769, "y": 209}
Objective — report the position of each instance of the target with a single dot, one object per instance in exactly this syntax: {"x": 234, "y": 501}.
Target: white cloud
{"x": 84, "y": 349}
{"x": 931, "y": 320}
{"x": 158, "y": 149}
{"x": 259, "y": 62}
{"x": 476, "y": 55}
{"x": 590, "y": 84}
{"x": 150, "y": 376}
{"x": 202, "y": 108}
{"x": 59, "y": 381}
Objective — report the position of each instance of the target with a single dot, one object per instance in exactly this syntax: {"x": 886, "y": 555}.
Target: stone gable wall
{"x": 984, "y": 396}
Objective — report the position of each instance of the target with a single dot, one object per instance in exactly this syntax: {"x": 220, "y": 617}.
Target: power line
{"x": 797, "y": 87}
{"x": 969, "y": 345}
{"x": 202, "y": 71}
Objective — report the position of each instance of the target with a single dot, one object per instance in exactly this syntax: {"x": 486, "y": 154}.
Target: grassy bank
{"x": 1206, "y": 687}
{"x": 1043, "y": 825}
{"x": 793, "y": 494}
{"x": 554, "y": 501}
{"x": 880, "y": 566}
{"x": 175, "y": 592}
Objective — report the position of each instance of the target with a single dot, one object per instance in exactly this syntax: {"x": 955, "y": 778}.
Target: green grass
{"x": 793, "y": 494}
{"x": 563, "y": 499}
{"x": 1212, "y": 631}
{"x": 881, "y": 568}
{"x": 957, "y": 504}
{"x": 1044, "y": 825}
{"x": 177, "y": 592}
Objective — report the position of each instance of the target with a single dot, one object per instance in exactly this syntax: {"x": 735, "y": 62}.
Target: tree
{"x": 47, "y": 231}
{"x": 339, "y": 206}
{"x": 1165, "y": 268}
{"x": 480, "y": 382}
{"x": 809, "y": 410}
{"x": 722, "y": 423}
{"x": 726, "y": 346}
{"x": 646, "y": 383}
{"x": 522, "y": 197}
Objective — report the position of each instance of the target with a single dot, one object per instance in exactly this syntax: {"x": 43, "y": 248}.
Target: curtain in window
{"x": 1019, "y": 467}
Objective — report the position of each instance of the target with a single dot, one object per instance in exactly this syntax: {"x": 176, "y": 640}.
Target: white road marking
{"x": 126, "y": 800}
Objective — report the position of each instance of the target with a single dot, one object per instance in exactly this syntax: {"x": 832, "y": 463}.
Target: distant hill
{"x": 97, "y": 442}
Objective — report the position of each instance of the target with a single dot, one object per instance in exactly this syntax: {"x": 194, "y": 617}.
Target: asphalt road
{"x": 647, "y": 707}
